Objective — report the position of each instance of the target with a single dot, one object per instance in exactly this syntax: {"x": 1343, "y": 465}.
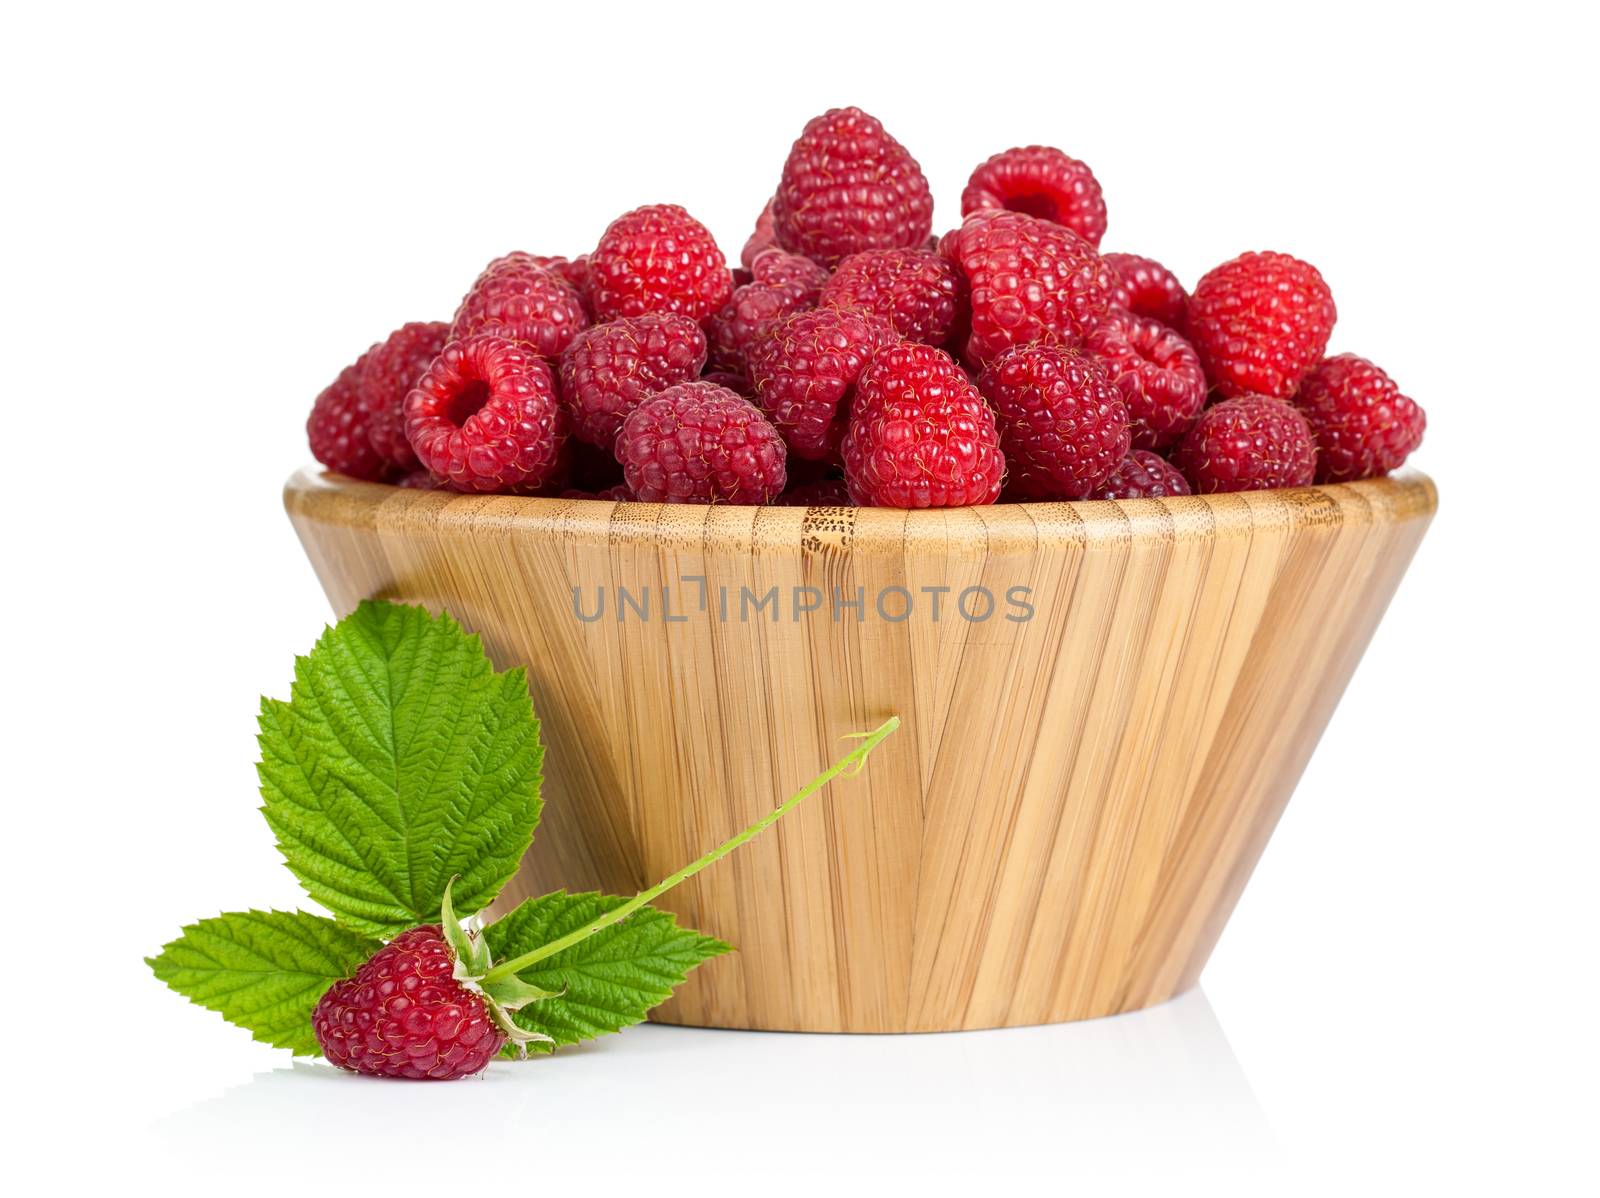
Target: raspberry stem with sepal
{"x": 847, "y": 766}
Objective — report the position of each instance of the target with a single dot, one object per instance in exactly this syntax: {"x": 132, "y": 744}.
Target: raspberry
{"x": 1251, "y": 443}
{"x": 734, "y": 381}
{"x": 403, "y": 1014}
{"x": 393, "y": 368}
{"x": 657, "y": 259}
{"x": 422, "y": 480}
{"x": 848, "y": 186}
{"x": 916, "y": 291}
{"x": 920, "y": 435}
{"x": 1259, "y": 323}
{"x": 1030, "y": 280}
{"x": 1157, "y": 372}
{"x": 823, "y": 492}
{"x": 1146, "y": 288}
{"x": 700, "y": 443}
{"x": 781, "y": 283}
{"x": 610, "y": 368}
{"x": 518, "y": 298}
{"x": 1142, "y": 475}
{"x": 1362, "y": 425}
{"x": 762, "y": 239}
{"x": 1039, "y": 181}
{"x": 804, "y": 372}
{"x": 1063, "y": 423}
{"x": 574, "y": 270}
{"x": 340, "y": 425}
{"x": 617, "y": 494}
{"x": 484, "y": 416}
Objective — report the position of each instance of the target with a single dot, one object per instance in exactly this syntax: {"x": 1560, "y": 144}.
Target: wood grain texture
{"x": 1073, "y": 805}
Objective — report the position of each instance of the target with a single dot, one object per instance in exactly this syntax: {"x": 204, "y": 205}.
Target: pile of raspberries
{"x": 852, "y": 358}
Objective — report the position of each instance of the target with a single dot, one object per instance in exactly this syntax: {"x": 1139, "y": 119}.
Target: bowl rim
{"x": 328, "y": 498}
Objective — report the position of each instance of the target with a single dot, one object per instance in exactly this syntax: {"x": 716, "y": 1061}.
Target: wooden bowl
{"x": 1085, "y": 777}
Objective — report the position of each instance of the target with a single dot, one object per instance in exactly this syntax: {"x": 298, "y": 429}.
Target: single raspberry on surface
{"x": 484, "y": 416}
{"x": 763, "y": 238}
{"x": 1146, "y": 288}
{"x": 610, "y": 368}
{"x": 1029, "y": 280}
{"x": 518, "y": 298}
{"x": 1259, "y": 322}
{"x": 1157, "y": 372}
{"x": 1039, "y": 181}
{"x": 1362, "y": 424}
{"x": 1063, "y": 422}
{"x": 920, "y": 434}
{"x": 403, "y": 1014}
{"x": 700, "y": 443}
{"x": 340, "y": 428}
{"x": 805, "y": 369}
{"x": 781, "y": 283}
{"x": 1249, "y": 443}
{"x": 1142, "y": 475}
{"x": 657, "y": 259}
{"x": 393, "y": 368}
{"x": 917, "y": 291}
{"x": 848, "y": 186}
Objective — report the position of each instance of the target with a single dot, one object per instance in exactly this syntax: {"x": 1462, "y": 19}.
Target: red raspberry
{"x": 393, "y": 368}
{"x": 1157, "y": 372}
{"x": 1063, "y": 423}
{"x": 781, "y": 283}
{"x": 517, "y": 298}
{"x": 422, "y": 480}
{"x": 823, "y": 492}
{"x": 848, "y": 186}
{"x": 1363, "y": 426}
{"x": 484, "y": 416}
{"x": 1259, "y": 323}
{"x": 920, "y": 435}
{"x": 700, "y": 443}
{"x": 1250, "y": 443}
{"x": 617, "y": 494}
{"x": 917, "y": 291}
{"x": 1142, "y": 475}
{"x": 611, "y": 368}
{"x": 762, "y": 239}
{"x": 574, "y": 270}
{"x": 1030, "y": 280}
{"x": 804, "y": 372}
{"x": 1040, "y": 181}
{"x": 404, "y": 1014}
{"x": 340, "y": 426}
{"x": 1146, "y": 288}
{"x": 734, "y": 381}
{"x": 657, "y": 259}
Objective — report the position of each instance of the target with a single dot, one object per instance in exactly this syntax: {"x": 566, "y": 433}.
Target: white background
{"x": 210, "y": 211}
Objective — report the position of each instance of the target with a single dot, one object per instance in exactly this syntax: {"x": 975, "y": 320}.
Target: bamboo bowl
{"x": 1083, "y": 781}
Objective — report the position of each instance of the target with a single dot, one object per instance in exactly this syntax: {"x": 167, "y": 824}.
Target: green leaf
{"x": 400, "y": 759}
{"x": 263, "y": 970}
{"x": 606, "y": 982}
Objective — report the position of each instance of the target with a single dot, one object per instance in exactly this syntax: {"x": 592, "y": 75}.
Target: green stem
{"x": 850, "y": 763}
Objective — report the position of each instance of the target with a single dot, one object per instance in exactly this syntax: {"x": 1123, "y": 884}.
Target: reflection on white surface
{"x": 1154, "y": 1094}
